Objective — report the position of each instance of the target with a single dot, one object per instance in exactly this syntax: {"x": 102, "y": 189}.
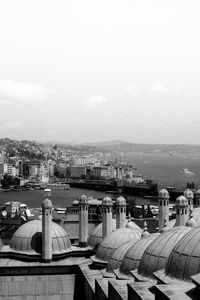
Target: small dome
{"x": 188, "y": 194}
{"x": 184, "y": 260}
{"x": 134, "y": 254}
{"x": 163, "y": 194}
{"x": 181, "y": 201}
{"x": 107, "y": 201}
{"x": 46, "y": 203}
{"x": 28, "y": 238}
{"x": 116, "y": 260}
{"x": 83, "y": 200}
{"x": 121, "y": 201}
{"x": 197, "y": 193}
{"x": 114, "y": 240}
{"x": 95, "y": 236}
{"x": 156, "y": 254}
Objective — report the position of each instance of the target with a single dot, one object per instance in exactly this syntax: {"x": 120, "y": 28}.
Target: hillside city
{"x": 22, "y": 161}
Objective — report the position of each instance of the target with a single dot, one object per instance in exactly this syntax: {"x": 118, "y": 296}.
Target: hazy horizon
{"x": 89, "y": 71}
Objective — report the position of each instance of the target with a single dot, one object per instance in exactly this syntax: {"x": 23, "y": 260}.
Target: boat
{"x": 187, "y": 172}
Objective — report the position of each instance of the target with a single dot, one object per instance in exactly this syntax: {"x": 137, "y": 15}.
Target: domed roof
{"x": 47, "y": 203}
{"x": 156, "y": 254}
{"x": 181, "y": 201}
{"x": 95, "y": 236}
{"x": 83, "y": 200}
{"x": 114, "y": 240}
{"x": 28, "y": 238}
{"x": 198, "y": 192}
{"x": 163, "y": 194}
{"x": 134, "y": 254}
{"x": 184, "y": 260}
{"x": 188, "y": 194}
{"x": 116, "y": 259}
{"x": 121, "y": 201}
{"x": 107, "y": 201}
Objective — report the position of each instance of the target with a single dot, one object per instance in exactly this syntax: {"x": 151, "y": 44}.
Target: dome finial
{"x": 191, "y": 222}
{"x": 145, "y": 232}
{"x": 164, "y": 229}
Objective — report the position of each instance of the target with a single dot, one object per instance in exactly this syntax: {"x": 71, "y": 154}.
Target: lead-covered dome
{"x": 46, "y": 203}
{"x": 134, "y": 254}
{"x": 83, "y": 200}
{"x": 120, "y": 201}
{"x": 184, "y": 260}
{"x": 156, "y": 254}
{"x": 107, "y": 201}
{"x": 114, "y": 240}
{"x": 116, "y": 259}
{"x": 95, "y": 236}
{"x": 28, "y": 238}
{"x": 181, "y": 201}
{"x": 188, "y": 193}
{"x": 163, "y": 194}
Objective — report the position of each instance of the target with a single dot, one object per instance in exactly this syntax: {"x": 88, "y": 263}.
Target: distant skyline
{"x": 89, "y": 71}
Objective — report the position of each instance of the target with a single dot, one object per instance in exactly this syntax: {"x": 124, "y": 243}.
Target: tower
{"x": 190, "y": 196}
{"x": 107, "y": 205}
{"x": 120, "y": 212}
{"x": 83, "y": 221}
{"x": 181, "y": 211}
{"x": 197, "y": 198}
{"x": 46, "y": 230}
{"x": 163, "y": 198}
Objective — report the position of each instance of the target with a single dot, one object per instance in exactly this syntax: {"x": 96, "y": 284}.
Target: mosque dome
{"x": 121, "y": 201}
{"x": 198, "y": 192}
{"x": 116, "y": 259}
{"x": 181, "y": 201}
{"x": 83, "y": 200}
{"x": 134, "y": 254}
{"x": 156, "y": 254}
{"x": 95, "y": 236}
{"x": 163, "y": 194}
{"x": 28, "y": 238}
{"x": 188, "y": 194}
{"x": 46, "y": 203}
{"x": 114, "y": 240}
{"x": 184, "y": 260}
{"x": 107, "y": 201}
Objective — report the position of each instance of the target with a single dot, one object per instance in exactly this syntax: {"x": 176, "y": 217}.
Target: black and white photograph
{"x": 99, "y": 150}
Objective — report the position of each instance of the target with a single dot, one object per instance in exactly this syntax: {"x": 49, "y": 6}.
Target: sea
{"x": 163, "y": 168}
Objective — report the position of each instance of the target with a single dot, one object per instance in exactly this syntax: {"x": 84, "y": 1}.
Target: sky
{"x": 87, "y": 71}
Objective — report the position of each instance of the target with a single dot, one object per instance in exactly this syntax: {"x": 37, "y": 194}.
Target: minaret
{"x": 163, "y": 198}
{"x": 83, "y": 221}
{"x": 107, "y": 205}
{"x": 181, "y": 211}
{"x": 190, "y": 196}
{"x": 47, "y": 230}
{"x": 120, "y": 212}
{"x": 197, "y": 198}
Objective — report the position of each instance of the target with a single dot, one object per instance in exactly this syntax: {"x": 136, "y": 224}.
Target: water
{"x": 166, "y": 169}
{"x": 163, "y": 168}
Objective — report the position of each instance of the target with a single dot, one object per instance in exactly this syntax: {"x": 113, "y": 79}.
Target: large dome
{"x": 184, "y": 260}
{"x": 116, "y": 260}
{"x": 95, "y": 236}
{"x": 28, "y": 238}
{"x": 156, "y": 254}
{"x": 114, "y": 240}
{"x": 134, "y": 254}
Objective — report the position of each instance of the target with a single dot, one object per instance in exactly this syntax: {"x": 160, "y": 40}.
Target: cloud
{"x": 95, "y": 101}
{"x": 160, "y": 87}
{"x": 20, "y": 92}
{"x": 11, "y": 126}
{"x": 132, "y": 90}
